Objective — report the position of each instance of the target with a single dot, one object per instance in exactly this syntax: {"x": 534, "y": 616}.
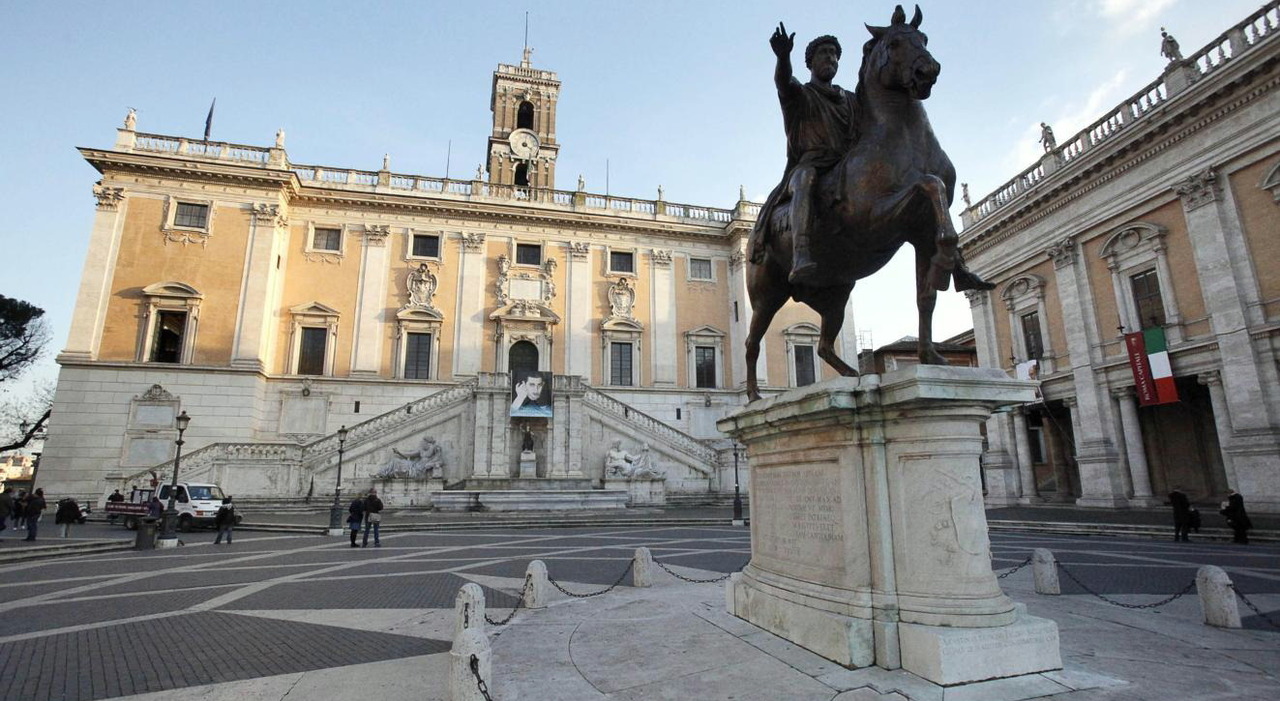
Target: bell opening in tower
{"x": 522, "y": 174}
{"x": 524, "y": 117}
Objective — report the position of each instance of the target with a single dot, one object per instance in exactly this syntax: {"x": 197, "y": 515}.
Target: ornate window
{"x": 424, "y": 246}
{"x": 620, "y": 336}
{"x": 313, "y": 339}
{"x": 326, "y": 239}
{"x": 1024, "y": 300}
{"x": 623, "y": 262}
{"x": 802, "y": 357}
{"x": 169, "y": 323}
{"x": 704, "y": 349}
{"x": 528, "y": 254}
{"x": 621, "y": 370}
{"x": 187, "y": 220}
{"x": 1141, "y": 279}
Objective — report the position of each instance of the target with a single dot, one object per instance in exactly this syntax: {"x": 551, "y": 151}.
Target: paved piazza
{"x": 275, "y": 608}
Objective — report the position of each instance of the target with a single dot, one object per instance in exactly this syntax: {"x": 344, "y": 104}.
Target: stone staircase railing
{"x": 672, "y": 437}
{"x": 384, "y": 423}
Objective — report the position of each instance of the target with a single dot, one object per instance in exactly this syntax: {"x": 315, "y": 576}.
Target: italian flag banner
{"x": 1152, "y": 373}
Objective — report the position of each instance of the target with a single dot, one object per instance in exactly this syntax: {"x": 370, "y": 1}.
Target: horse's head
{"x": 897, "y": 57}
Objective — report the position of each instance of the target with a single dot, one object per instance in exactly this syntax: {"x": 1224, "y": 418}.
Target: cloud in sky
{"x": 1130, "y": 16}
{"x": 1027, "y": 149}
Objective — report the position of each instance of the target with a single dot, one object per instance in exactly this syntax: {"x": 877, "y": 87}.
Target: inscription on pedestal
{"x": 800, "y": 514}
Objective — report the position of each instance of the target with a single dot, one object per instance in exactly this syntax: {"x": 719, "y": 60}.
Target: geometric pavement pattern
{"x": 103, "y": 626}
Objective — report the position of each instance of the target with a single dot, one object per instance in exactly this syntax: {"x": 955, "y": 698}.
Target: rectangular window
{"x": 622, "y": 262}
{"x": 528, "y": 254}
{"x": 620, "y": 364}
{"x": 166, "y": 344}
{"x": 327, "y": 240}
{"x": 191, "y": 216}
{"x": 1146, "y": 298}
{"x": 1032, "y": 341}
{"x": 311, "y": 351}
{"x": 704, "y": 360}
{"x": 804, "y": 365}
{"x": 417, "y": 357}
{"x": 426, "y": 246}
{"x": 700, "y": 268}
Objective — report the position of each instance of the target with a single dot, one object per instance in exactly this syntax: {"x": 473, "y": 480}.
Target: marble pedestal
{"x": 528, "y": 464}
{"x": 868, "y": 536}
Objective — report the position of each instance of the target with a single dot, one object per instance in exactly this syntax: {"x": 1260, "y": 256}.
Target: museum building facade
{"x": 276, "y": 302}
{"x": 1148, "y": 240}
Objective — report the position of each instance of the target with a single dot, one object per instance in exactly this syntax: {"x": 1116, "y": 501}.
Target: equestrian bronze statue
{"x": 864, "y": 175}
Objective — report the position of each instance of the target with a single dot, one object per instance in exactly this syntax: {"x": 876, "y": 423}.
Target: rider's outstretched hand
{"x": 781, "y": 42}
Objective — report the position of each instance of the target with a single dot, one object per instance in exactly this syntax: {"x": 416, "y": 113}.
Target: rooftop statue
{"x": 1169, "y": 46}
{"x": 864, "y": 175}
{"x": 1047, "y": 138}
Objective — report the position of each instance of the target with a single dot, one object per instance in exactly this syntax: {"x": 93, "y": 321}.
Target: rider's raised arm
{"x": 782, "y": 44}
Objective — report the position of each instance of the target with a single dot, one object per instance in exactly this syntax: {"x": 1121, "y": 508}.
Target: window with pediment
{"x": 1141, "y": 279}
{"x": 169, "y": 321}
{"x": 704, "y": 350}
{"x": 313, "y": 339}
{"x": 1024, "y": 300}
{"x": 802, "y": 358}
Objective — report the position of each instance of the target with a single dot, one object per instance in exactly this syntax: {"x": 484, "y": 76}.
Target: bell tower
{"x": 522, "y": 146}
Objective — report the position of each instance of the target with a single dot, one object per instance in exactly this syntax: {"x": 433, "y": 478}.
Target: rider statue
{"x": 821, "y": 121}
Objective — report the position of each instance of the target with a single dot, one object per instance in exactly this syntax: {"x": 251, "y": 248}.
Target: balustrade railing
{"x": 1259, "y": 26}
{"x": 673, "y": 437}
{"x": 219, "y": 150}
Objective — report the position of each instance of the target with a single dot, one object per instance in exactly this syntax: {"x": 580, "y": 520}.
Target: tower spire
{"x": 524, "y": 61}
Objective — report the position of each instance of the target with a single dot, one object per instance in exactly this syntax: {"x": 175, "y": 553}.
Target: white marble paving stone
{"x": 757, "y": 679}
{"x": 1031, "y": 686}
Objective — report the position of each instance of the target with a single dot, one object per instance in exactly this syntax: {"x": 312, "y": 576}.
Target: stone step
{"x": 1122, "y": 529}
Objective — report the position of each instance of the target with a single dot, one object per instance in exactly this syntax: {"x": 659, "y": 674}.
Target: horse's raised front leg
{"x": 926, "y": 299}
{"x": 933, "y": 191}
{"x": 830, "y": 306}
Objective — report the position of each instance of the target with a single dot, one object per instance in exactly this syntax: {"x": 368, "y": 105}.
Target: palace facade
{"x": 276, "y": 302}
{"x": 1161, "y": 218}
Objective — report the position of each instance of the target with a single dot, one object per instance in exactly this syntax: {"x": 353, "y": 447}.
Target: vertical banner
{"x": 1152, "y": 372}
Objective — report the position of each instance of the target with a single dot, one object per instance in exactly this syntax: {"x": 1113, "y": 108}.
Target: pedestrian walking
{"x": 1181, "y": 514}
{"x": 373, "y": 519}
{"x": 6, "y": 507}
{"x": 68, "y": 512}
{"x": 155, "y": 508}
{"x": 116, "y": 496}
{"x": 19, "y": 510}
{"x": 31, "y": 513}
{"x": 355, "y": 517}
{"x": 225, "y": 520}
{"x": 1237, "y": 519}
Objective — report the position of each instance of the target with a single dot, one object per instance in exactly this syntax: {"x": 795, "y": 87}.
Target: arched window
{"x": 522, "y": 174}
{"x": 523, "y": 355}
{"x": 524, "y": 116}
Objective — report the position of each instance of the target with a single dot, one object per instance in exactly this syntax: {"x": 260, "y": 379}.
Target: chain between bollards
{"x": 1245, "y": 599}
{"x": 475, "y": 672}
{"x": 630, "y": 563}
{"x": 1015, "y": 568}
{"x": 1185, "y": 590}
{"x": 517, "y": 607}
{"x": 690, "y": 579}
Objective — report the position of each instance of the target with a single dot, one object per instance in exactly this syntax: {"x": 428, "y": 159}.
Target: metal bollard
{"x": 537, "y": 591}
{"x": 468, "y": 609}
{"x": 463, "y": 684}
{"x": 1044, "y": 567}
{"x": 1217, "y": 597}
{"x": 642, "y": 568}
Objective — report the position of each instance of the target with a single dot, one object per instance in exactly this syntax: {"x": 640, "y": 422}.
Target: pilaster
{"x": 1135, "y": 449}
{"x": 740, "y": 319}
{"x": 258, "y": 281}
{"x": 662, "y": 293}
{"x": 371, "y": 306}
{"x": 89, "y": 318}
{"x": 580, "y": 306}
{"x": 469, "y": 330}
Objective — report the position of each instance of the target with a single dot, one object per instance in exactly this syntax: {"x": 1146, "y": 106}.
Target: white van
{"x": 196, "y": 503}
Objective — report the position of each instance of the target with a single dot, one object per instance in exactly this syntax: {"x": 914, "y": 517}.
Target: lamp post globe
{"x": 168, "y": 528}
{"x": 335, "y": 511}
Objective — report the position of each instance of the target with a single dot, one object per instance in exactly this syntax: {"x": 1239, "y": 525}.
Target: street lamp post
{"x": 335, "y": 511}
{"x": 737, "y": 489}
{"x": 168, "y": 535}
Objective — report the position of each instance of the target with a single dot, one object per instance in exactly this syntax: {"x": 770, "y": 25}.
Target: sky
{"x": 664, "y": 92}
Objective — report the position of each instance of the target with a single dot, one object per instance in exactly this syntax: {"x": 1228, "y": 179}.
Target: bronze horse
{"x": 894, "y": 186}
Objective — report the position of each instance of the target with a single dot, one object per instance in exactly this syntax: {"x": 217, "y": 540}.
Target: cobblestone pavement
{"x": 119, "y": 624}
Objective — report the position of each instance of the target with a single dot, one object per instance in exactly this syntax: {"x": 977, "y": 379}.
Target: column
{"x": 371, "y": 301}
{"x": 1101, "y": 475}
{"x": 1022, "y": 446}
{"x": 90, "y": 314}
{"x": 579, "y": 309}
{"x": 662, "y": 294}
{"x": 1135, "y": 449}
{"x": 258, "y": 282}
{"x": 1221, "y": 421}
{"x": 999, "y": 465}
{"x": 470, "y": 324}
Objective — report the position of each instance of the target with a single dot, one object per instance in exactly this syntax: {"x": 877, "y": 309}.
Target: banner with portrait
{"x": 530, "y": 393}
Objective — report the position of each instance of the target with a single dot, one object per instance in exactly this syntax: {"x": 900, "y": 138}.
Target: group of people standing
{"x": 365, "y": 511}
{"x": 22, "y": 511}
{"x": 1186, "y": 517}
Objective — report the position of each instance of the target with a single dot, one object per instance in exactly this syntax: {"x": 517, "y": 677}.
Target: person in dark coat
{"x": 373, "y": 519}
{"x": 35, "y": 506}
{"x": 68, "y": 513}
{"x": 355, "y": 517}
{"x": 225, "y": 520}
{"x": 19, "y": 509}
{"x": 6, "y": 507}
{"x": 1181, "y": 514}
{"x": 1237, "y": 519}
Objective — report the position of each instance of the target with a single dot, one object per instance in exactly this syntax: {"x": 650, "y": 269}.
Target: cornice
{"x": 104, "y": 160}
{"x": 1106, "y": 164}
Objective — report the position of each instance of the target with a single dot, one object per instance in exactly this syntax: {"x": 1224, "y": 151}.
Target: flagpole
{"x": 208, "y": 121}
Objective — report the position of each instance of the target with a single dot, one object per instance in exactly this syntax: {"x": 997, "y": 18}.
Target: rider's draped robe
{"x": 821, "y": 126}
